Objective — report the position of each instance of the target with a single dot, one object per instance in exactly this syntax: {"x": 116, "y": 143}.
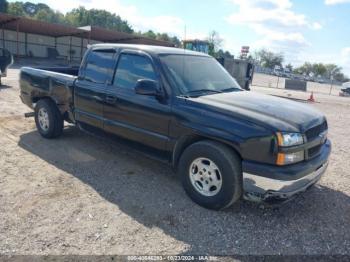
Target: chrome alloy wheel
{"x": 205, "y": 177}
{"x": 43, "y": 118}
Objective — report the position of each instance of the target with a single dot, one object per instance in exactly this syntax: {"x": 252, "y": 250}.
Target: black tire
{"x": 230, "y": 168}
{"x": 55, "y": 120}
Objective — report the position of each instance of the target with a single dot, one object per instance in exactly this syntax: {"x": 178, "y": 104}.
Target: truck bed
{"x": 56, "y": 83}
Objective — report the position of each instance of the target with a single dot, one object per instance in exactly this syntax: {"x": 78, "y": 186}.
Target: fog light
{"x": 290, "y": 158}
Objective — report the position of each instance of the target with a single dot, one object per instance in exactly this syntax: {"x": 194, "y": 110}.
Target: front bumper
{"x": 282, "y": 183}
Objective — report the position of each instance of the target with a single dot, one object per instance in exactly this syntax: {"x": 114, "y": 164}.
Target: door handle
{"x": 111, "y": 99}
{"x": 97, "y": 99}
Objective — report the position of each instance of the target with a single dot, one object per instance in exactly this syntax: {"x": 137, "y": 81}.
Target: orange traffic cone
{"x": 311, "y": 98}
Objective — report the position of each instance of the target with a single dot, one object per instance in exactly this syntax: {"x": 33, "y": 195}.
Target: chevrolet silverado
{"x": 225, "y": 143}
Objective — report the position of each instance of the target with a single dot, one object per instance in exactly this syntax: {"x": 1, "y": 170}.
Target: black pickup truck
{"x": 226, "y": 143}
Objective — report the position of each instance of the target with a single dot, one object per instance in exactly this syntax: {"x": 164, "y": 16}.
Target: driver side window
{"x": 131, "y": 68}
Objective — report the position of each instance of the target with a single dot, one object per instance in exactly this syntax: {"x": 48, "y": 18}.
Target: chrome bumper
{"x": 258, "y": 188}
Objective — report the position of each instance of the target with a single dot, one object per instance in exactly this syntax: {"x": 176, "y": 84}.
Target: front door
{"x": 140, "y": 118}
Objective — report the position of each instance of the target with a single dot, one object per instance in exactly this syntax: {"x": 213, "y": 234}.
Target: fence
{"x": 32, "y": 45}
{"x": 271, "y": 81}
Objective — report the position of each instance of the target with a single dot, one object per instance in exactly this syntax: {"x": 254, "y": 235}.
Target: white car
{"x": 346, "y": 85}
{"x": 345, "y": 91}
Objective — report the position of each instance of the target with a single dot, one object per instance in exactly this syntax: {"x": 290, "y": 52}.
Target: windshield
{"x": 198, "y": 75}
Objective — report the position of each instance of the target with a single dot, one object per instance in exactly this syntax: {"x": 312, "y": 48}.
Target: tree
{"x": 49, "y": 16}
{"x": 3, "y": 6}
{"x": 223, "y": 54}
{"x": 176, "y": 41}
{"x": 163, "y": 37}
{"x": 150, "y": 34}
{"x": 30, "y": 8}
{"x": 305, "y": 69}
{"x": 16, "y": 8}
{"x": 102, "y": 18}
{"x": 322, "y": 70}
{"x": 332, "y": 69}
{"x": 289, "y": 67}
{"x": 228, "y": 54}
{"x": 341, "y": 77}
{"x": 319, "y": 69}
{"x": 269, "y": 59}
{"x": 215, "y": 42}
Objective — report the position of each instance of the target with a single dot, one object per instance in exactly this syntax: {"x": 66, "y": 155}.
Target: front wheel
{"x": 48, "y": 119}
{"x": 211, "y": 174}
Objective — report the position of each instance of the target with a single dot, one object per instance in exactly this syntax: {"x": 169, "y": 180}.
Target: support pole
{"x": 330, "y": 90}
{"x": 3, "y": 37}
{"x": 70, "y": 49}
{"x": 26, "y": 44}
{"x": 17, "y": 39}
{"x": 81, "y": 48}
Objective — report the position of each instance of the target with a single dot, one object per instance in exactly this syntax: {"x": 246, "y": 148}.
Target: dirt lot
{"x": 81, "y": 194}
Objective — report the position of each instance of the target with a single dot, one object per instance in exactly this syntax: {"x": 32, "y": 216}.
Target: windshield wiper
{"x": 231, "y": 89}
{"x": 203, "y": 91}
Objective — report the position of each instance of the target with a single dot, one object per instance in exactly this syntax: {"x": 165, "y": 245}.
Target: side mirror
{"x": 147, "y": 87}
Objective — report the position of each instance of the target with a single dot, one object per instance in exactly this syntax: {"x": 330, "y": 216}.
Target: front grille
{"x": 314, "y": 151}
{"x": 315, "y": 131}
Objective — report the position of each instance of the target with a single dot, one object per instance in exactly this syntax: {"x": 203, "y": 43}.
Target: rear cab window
{"x": 100, "y": 66}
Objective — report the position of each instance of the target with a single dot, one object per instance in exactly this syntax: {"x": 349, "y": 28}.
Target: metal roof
{"x": 111, "y": 36}
{"x": 27, "y": 25}
{"x": 31, "y": 26}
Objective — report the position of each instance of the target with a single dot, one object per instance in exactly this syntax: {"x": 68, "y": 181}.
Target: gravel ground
{"x": 81, "y": 194}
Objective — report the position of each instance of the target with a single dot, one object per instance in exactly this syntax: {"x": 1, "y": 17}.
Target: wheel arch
{"x": 187, "y": 140}
{"x": 61, "y": 108}
{"x": 36, "y": 99}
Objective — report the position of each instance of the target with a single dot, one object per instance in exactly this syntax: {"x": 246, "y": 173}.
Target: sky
{"x": 313, "y": 30}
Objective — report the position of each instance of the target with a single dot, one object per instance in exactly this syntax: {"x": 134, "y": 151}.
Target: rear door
{"x": 140, "y": 118}
{"x": 90, "y": 87}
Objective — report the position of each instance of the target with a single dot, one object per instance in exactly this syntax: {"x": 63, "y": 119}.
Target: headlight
{"x": 289, "y": 139}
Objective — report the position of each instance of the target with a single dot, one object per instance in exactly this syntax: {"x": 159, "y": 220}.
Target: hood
{"x": 274, "y": 112}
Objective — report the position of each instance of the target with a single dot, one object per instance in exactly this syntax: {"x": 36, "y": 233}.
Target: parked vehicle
{"x": 287, "y": 73}
{"x": 345, "y": 91}
{"x": 225, "y": 143}
{"x": 6, "y": 60}
{"x": 346, "y": 85}
{"x": 278, "y": 71}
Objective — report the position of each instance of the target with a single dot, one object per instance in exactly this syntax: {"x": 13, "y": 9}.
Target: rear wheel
{"x": 48, "y": 119}
{"x": 211, "y": 174}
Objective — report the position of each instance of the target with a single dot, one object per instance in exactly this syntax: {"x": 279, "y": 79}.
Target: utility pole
{"x": 332, "y": 77}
